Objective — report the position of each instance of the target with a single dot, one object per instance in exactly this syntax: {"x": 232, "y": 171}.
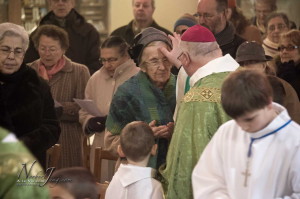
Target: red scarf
{"x": 48, "y": 74}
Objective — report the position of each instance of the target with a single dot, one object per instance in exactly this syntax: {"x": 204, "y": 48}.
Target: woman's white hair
{"x": 11, "y": 29}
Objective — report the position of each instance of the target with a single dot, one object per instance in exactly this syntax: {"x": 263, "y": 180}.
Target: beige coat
{"x": 101, "y": 88}
{"x": 65, "y": 85}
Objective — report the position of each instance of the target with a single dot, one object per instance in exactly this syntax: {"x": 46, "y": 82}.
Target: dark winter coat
{"x": 127, "y": 33}
{"x": 27, "y": 109}
{"x": 290, "y": 72}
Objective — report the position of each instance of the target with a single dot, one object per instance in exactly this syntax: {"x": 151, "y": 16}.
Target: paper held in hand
{"x": 89, "y": 106}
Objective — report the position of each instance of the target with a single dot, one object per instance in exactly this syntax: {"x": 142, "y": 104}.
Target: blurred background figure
{"x": 242, "y": 25}
{"x": 84, "y": 38}
{"x": 75, "y": 183}
{"x": 67, "y": 81}
{"x": 289, "y": 63}
{"x": 117, "y": 68}
{"x": 184, "y": 22}
{"x": 27, "y": 107}
{"x": 143, "y": 17}
{"x": 262, "y": 9}
{"x": 276, "y": 24}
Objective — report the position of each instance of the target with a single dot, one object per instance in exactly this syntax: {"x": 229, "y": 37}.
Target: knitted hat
{"x": 144, "y": 38}
{"x": 198, "y": 33}
{"x": 251, "y": 51}
{"x": 186, "y": 19}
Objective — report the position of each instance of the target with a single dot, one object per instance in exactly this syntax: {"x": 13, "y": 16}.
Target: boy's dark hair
{"x": 53, "y": 32}
{"x": 78, "y": 181}
{"x": 244, "y": 91}
{"x": 137, "y": 140}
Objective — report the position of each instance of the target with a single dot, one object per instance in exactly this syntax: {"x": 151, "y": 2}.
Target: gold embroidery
{"x": 203, "y": 94}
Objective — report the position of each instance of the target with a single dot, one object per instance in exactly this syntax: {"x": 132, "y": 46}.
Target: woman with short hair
{"x": 26, "y": 104}
{"x": 67, "y": 81}
{"x": 289, "y": 63}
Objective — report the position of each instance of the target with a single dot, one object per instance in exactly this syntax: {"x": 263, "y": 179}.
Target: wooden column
{"x": 14, "y": 11}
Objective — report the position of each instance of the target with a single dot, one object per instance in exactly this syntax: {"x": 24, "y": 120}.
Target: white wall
{"x": 166, "y": 12}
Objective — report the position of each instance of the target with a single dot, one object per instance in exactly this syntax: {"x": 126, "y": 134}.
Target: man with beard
{"x": 212, "y": 14}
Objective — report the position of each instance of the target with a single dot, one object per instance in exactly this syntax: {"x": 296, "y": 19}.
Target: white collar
{"x": 279, "y": 120}
{"x": 130, "y": 173}
{"x": 222, "y": 64}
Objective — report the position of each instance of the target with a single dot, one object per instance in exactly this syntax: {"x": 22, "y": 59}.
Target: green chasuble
{"x": 199, "y": 116}
{"x": 14, "y": 182}
{"x": 138, "y": 99}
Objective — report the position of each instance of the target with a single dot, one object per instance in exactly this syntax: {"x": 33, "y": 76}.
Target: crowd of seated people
{"x": 158, "y": 102}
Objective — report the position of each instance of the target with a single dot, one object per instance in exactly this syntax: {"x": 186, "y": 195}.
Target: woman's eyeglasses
{"x": 288, "y": 48}
{"x": 18, "y": 52}
{"x": 109, "y": 60}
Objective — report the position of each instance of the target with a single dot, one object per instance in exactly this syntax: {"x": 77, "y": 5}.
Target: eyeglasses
{"x": 279, "y": 27}
{"x": 109, "y": 60}
{"x": 205, "y": 15}
{"x": 156, "y": 63}
{"x": 18, "y": 52}
{"x": 265, "y": 12}
{"x": 51, "y": 50}
{"x": 288, "y": 48}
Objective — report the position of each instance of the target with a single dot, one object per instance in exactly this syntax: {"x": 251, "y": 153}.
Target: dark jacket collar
{"x": 74, "y": 20}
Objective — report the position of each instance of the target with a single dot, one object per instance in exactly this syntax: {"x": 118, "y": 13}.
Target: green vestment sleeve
{"x": 13, "y": 182}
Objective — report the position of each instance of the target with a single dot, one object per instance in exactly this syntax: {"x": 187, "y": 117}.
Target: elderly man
{"x": 262, "y": 9}
{"x": 84, "y": 38}
{"x": 200, "y": 112}
{"x": 212, "y": 14}
{"x": 143, "y": 17}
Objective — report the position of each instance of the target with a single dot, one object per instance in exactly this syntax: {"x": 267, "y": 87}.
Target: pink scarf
{"x": 48, "y": 74}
